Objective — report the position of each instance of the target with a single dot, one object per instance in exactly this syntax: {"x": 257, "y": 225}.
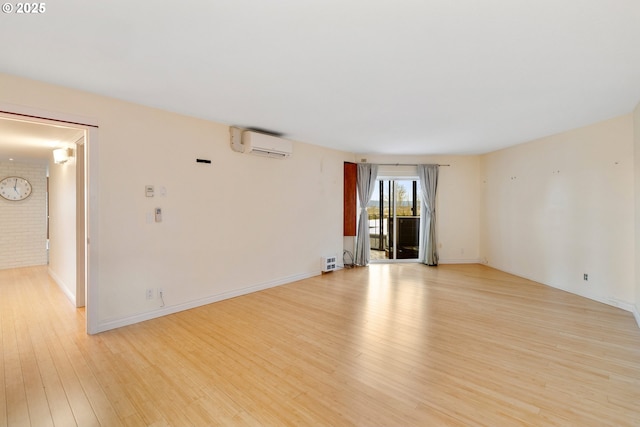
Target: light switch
{"x": 148, "y": 189}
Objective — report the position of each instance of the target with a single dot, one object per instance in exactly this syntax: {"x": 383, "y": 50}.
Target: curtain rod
{"x": 401, "y": 164}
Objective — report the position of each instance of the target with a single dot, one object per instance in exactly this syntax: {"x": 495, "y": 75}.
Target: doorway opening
{"x": 76, "y": 197}
{"x": 394, "y": 220}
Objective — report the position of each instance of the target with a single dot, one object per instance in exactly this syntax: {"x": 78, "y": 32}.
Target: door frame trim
{"x": 91, "y": 207}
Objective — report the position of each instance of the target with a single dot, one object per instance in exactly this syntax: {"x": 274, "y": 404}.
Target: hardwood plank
{"x": 101, "y": 406}
{"x": 16, "y": 399}
{"x": 39, "y": 412}
{"x": 17, "y": 411}
{"x": 79, "y": 403}
{"x": 58, "y": 404}
{"x": 37, "y": 403}
{"x": 400, "y": 344}
{"x": 6, "y": 276}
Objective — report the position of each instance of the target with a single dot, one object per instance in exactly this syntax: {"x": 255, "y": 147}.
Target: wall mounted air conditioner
{"x": 266, "y": 145}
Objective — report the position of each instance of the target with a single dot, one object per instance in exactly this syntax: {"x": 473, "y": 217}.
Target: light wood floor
{"x": 391, "y": 345}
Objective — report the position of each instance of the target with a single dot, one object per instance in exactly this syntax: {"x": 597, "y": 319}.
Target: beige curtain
{"x": 366, "y": 180}
{"x": 428, "y": 175}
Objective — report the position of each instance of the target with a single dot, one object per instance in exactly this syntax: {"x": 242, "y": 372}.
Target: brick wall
{"x": 23, "y": 224}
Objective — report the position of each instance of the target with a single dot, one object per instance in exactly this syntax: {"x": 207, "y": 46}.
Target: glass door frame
{"x": 392, "y": 202}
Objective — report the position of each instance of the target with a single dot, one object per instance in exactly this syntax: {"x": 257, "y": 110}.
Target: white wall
{"x": 549, "y": 210}
{"x": 457, "y": 204}
{"x": 23, "y": 237}
{"x": 237, "y": 225}
{"x": 559, "y": 207}
{"x": 62, "y": 225}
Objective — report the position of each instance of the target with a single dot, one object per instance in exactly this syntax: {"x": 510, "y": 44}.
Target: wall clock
{"x": 15, "y": 188}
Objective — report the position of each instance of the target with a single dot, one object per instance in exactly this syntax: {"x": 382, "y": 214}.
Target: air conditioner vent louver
{"x": 265, "y": 145}
{"x": 268, "y": 153}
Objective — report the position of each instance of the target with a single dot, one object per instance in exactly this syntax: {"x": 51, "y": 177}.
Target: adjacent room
{"x": 239, "y": 213}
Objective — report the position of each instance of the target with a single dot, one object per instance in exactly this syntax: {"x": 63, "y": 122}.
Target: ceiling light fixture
{"x": 61, "y": 155}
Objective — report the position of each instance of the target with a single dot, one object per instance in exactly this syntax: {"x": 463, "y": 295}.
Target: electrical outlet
{"x": 586, "y": 276}
{"x": 150, "y": 293}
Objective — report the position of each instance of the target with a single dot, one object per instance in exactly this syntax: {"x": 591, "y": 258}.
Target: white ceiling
{"x": 26, "y": 142}
{"x": 403, "y": 77}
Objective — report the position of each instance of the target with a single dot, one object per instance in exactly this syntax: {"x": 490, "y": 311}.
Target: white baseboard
{"x": 415, "y": 261}
{"x": 618, "y": 303}
{"x": 608, "y": 301}
{"x": 460, "y": 261}
{"x": 164, "y": 311}
{"x": 63, "y": 287}
{"x": 130, "y": 320}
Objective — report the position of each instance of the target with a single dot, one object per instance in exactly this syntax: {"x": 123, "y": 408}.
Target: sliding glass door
{"x": 394, "y": 219}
